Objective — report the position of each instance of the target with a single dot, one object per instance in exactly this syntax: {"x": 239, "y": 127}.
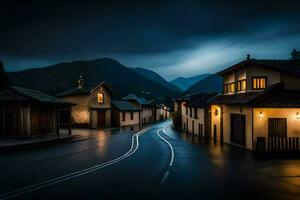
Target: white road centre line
{"x": 172, "y": 155}
{"x": 166, "y": 133}
{"x": 44, "y": 184}
{"x": 171, "y": 148}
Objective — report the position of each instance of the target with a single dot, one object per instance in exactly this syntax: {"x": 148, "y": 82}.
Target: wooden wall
{"x": 14, "y": 120}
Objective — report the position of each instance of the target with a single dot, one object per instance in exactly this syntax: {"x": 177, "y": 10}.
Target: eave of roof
{"x": 18, "y": 94}
{"x": 291, "y": 67}
{"x": 124, "y": 106}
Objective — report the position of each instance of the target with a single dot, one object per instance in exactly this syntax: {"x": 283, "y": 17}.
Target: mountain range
{"x": 60, "y": 77}
{"x": 57, "y": 78}
{"x": 184, "y": 83}
{"x": 211, "y": 84}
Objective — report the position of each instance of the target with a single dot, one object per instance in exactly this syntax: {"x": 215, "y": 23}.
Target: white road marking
{"x": 34, "y": 187}
{"x": 168, "y": 134}
{"x": 171, "y": 148}
{"x": 172, "y": 154}
{"x": 165, "y": 177}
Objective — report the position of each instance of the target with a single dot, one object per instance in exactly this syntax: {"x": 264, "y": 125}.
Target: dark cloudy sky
{"x": 174, "y": 38}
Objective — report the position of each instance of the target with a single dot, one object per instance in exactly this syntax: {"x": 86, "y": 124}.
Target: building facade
{"x": 146, "y": 108}
{"x": 260, "y": 101}
{"x": 93, "y": 104}
{"x": 195, "y": 115}
{"x": 125, "y": 113}
{"x": 27, "y": 113}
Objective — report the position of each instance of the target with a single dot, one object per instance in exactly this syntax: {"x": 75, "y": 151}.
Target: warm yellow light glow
{"x": 100, "y": 98}
{"x": 216, "y": 112}
{"x": 298, "y": 115}
{"x": 261, "y": 115}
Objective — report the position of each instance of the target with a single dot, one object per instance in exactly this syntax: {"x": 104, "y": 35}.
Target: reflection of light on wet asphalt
{"x": 44, "y": 184}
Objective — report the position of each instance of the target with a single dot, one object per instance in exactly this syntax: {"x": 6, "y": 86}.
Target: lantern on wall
{"x": 216, "y": 113}
{"x": 261, "y": 115}
{"x": 297, "y": 115}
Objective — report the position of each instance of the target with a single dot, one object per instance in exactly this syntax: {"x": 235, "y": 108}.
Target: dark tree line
{"x": 4, "y": 79}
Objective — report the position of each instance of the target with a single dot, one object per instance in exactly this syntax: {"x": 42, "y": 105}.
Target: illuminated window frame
{"x": 100, "y": 98}
{"x": 241, "y": 85}
{"x": 229, "y": 88}
{"x": 259, "y": 82}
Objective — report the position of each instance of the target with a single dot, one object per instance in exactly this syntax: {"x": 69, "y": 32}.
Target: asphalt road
{"x": 150, "y": 164}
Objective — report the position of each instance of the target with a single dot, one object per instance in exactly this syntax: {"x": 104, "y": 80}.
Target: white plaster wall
{"x": 261, "y": 124}
{"x": 128, "y": 120}
{"x": 227, "y": 110}
{"x": 197, "y": 121}
{"x": 146, "y": 113}
{"x": 272, "y": 76}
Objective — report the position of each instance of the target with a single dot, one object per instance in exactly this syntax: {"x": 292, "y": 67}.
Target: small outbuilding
{"x": 124, "y": 113}
{"x": 26, "y": 113}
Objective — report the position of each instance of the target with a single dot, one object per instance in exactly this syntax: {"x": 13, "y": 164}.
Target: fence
{"x": 278, "y": 145}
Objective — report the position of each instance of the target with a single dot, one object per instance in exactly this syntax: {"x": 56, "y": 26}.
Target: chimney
{"x": 248, "y": 57}
{"x": 295, "y": 54}
{"x": 80, "y": 83}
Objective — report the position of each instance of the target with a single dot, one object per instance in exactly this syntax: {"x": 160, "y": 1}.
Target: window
{"x": 229, "y": 88}
{"x": 191, "y": 112}
{"x": 186, "y": 111}
{"x": 259, "y": 83}
{"x": 131, "y": 115}
{"x": 195, "y": 114}
{"x": 241, "y": 85}
{"x": 100, "y": 97}
{"x": 123, "y": 116}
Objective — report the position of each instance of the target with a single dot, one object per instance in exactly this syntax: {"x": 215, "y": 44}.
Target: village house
{"x": 260, "y": 104}
{"x": 125, "y": 113}
{"x": 194, "y": 114}
{"x": 27, "y": 113}
{"x": 177, "y": 114}
{"x": 160, "y": 112}
{"x": 146, "y": 108}
{"x": 93, "y": 104}
{"x": 164, "y": 112}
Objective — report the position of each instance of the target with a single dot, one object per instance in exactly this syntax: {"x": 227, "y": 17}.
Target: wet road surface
{"x": 146, "y": 169}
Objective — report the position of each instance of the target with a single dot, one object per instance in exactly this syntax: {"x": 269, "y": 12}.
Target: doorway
{"x": 101, "y": 118}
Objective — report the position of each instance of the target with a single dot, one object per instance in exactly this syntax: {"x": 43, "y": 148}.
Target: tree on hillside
{"x": 4, "y": 80}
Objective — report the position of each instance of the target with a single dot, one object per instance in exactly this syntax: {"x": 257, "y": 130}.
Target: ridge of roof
{"x": 25, "y": 94}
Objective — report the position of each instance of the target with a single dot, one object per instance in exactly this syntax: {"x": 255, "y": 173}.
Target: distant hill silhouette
{"x": 60, "y": 77}
{"x": 155, "y": 77}
{"x": 210, "y": 84}
{"x": 185, "y": 83}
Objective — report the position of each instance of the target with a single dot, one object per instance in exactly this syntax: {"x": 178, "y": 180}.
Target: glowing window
{"x": 259, "y": 83}
{"x": 100, "y": 98}
{"x": 229, "y": 88}
{"x": 241, "y": 85}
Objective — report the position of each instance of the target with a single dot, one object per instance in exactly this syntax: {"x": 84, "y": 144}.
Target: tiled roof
{"x": 241, "y": 98}
{"x": 140, "y": 100}
{"x": 288, "y": 66}
{"x": 274, "y": 96}
{"x": 124, "y": 106}
{"x": 184, "y": 97}
{"x": 85, "y": 91}
{"x": 200, "y": 100}
{"x": 278, "y": 99}
{"x": 18, "y": 94}
{"x": 75, "y": 91}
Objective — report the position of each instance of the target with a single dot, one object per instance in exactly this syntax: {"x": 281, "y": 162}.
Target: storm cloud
{"x": 173, "y": 38}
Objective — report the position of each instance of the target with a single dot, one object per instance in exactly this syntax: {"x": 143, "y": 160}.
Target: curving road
{"x": 154, "y": 163}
